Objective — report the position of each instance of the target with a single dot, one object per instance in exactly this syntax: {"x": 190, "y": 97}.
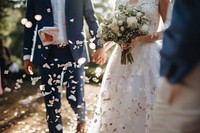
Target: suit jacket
{"x": 181, "y": 42}
{"x": 74, "y": 9}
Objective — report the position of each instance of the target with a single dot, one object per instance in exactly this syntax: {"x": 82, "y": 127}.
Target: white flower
{"x": 114, "y": 23}
{"x": 144, "y": 28}
{"x": 108, "y": 16}
{"x": 101, "y": 41}
{"x": 122, "y": 28}
{"x": 115, "y": 29}
{"x": 139, "y": 14}
{"x": 119, "y": 34}
{"x": 105, "y": 36}
{"x": 131, "y": 21}
{"x": 102, "y": 25}
{"x": 114, "y": 26}
{"x": 120, "y": 22}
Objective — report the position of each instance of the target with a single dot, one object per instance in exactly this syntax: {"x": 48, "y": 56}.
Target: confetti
{"x": 72, "y": 97}
{"x": 15, "y": 114}
{"x": 98, "y": 71}
{"x": 92, "y": 46}
{"x": 95, "y": 79}
{"x": 17, "y": 86}
{"x": 91, "y": 32}
{"x": 23, "y": 21}
{"x": 38, "y": 17}
{"x": 7, "y": 89}
{"x": 74, "y": 82}
{"x": 50, "y": 80}
{"x": 46, "y": 66}
{"x": 92, "y": 39}
{"x": 73, "y": 92}
{"x": 56, "y": 59}
{"x": 81, "y": 60}
{"x": 70, "y": 42}
{"x": 28, "y": 24}
{"x": 6, "y": 71}
{"x": 19, "y": 81}
{"x": 39, "y": 46}
{"x": 59, "y": 127}
{"x": 71, "y": 20}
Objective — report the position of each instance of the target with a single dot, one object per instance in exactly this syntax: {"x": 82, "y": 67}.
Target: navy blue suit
{"x": 181, "y": 43}
{"x": 54, "y": 57}
{"x": 75, "y": 9}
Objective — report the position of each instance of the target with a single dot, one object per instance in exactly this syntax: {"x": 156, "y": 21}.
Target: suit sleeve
{"x": 181, "y": 40}
{"x": 29, "y": 31}
{"x": 91, "y": 20}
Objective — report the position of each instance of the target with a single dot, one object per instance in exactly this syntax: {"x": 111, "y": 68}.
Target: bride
{"x": 128, "y": 91}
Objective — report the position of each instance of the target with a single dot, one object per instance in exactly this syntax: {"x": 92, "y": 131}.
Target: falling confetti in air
{"x": 70, "y": 42}
{"x": 92, "y": 46}
{"x": 28, "y": 24}
{"x": 23, "y": 21}
{"x": 38, "y": 17}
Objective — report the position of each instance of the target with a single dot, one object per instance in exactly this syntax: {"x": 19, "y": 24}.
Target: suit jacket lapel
{"x": 66, "y": 5}
{"x": 48, "y": 3}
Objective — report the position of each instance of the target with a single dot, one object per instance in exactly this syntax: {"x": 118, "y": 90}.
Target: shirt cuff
{"x": 27, "y": 57}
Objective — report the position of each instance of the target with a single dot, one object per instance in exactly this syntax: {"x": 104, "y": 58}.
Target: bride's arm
{"x": 163, "y": 7}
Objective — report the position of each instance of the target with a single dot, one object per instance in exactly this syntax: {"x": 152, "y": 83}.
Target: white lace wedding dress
{"x": 128, "y": 91}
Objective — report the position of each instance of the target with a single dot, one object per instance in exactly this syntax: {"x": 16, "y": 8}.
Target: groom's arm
{"x": 28, "y": 36}
{"x": 29, "y": 31}
{"x": 91, "y": 20}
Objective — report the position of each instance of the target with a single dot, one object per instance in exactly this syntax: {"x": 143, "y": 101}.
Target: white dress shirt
{"x": 58, "y": 7}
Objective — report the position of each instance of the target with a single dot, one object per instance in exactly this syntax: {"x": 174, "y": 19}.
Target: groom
{"x": 60, "y": 52}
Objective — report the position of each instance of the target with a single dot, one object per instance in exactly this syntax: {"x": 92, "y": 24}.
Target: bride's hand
{"x": 126, "y": 46}
{"x": 132, "y": 45}
{"x": 135, "y": 41}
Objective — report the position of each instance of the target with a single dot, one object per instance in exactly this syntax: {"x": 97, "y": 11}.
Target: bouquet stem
{"x": 126, "y": 57}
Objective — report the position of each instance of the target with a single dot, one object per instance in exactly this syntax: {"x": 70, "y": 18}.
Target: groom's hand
{"x": 28, "y": 67}
{"x": 100, "y": 56}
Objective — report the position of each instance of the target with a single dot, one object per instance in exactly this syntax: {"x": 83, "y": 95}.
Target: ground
{"x": 22, "y": 109}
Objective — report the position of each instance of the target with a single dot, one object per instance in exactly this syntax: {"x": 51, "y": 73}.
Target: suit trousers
{"x": 59, "y": 61}
{"x": 177, "y": 108}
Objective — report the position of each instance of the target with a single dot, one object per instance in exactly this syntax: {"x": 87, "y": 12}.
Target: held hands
{"x": 100, "y": 56}
{"x": 28, "y": 67}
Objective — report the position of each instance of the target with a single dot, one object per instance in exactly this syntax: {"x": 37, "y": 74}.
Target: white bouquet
{"x": 121, "y": 26}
